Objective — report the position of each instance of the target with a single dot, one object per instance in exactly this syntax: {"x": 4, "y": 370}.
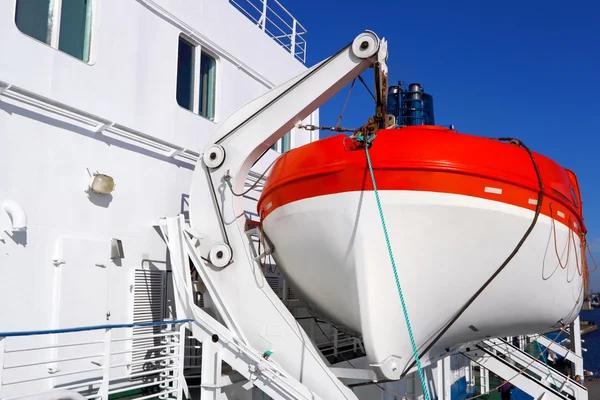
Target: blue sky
{"x": 494, "y": 68}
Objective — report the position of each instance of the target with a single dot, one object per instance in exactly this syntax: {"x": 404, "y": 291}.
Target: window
{"x": 63, "y": 24}
{"x": 574, "y": 197}
{"x": 195, "y": 79}
{"x": 284, "y": 144}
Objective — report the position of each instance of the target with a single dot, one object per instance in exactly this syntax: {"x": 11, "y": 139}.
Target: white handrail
{"x": 277, "y": 22}
{"x": 107, "y": 379}
{"x": 54, "y": 395}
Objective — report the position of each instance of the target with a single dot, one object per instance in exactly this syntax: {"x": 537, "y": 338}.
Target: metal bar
{"x": 164, "y": 393}
{"x": 575, "y": 338}
{"x": 240, "y": 357}
{"x": 211, "y": 371}
{"x": 53, "y": 346}
{"x": 67, "y": 111}
{"x": 264, "y": 15}
{"x": 272, "y": 9}
{"x": 138, "y": 349}
{"x": 140, "y": 386}
{"x": 122, "y": 378}
{"x": 105, "y": 366}
{"x": 284, "y": 10}
{"x": 182, "y": 385}
{"x": 282, "y": 20}
{"x": 92, "y": 328}
{"x": 293, "y": 39}
{"x": 165, "y": 334}
{"x": 304, "y": 53}
{"x": 335, "y": 342}
{"x": 53, "y": 376}
{"x": 54, "y": 29}
{"x": 2, "y": 347}
{"x": 143, "y": 361}
{"x": 54, "y": 361}
{"x": 53, "y": 395}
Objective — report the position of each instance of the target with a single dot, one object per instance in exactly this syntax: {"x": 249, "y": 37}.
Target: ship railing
{"x": 277, "y": 22}
{"x": 335, "y": 343}
{"x": 94, "y": 361}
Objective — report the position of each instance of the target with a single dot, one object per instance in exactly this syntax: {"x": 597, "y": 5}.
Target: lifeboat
{"x": 455, "y": 207}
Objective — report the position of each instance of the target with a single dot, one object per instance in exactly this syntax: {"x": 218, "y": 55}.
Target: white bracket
{"x": 100, "y": 128}
{"x": 222, "y": 343}
{"x": 355, "y": 373}
{"x": 268, "y": 249}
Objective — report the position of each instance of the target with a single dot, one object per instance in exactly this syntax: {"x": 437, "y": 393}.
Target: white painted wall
{"x": 44, "y": 155}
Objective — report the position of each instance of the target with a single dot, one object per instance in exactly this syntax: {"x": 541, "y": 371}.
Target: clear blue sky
{"x": 527, "y": 69}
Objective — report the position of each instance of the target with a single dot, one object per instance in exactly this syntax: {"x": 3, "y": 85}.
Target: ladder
{"x": 487, "y": 357}
{"x": 539, "y": 368}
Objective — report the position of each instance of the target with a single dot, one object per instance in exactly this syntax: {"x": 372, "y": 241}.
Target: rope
{"x": 587, "y": 245}
{"x": 559, "y": 257}
{"x": 366, "y": 87}
{"x": 538, "y": 209}
{"x": 345, "y": 104}
{"x": 584, "y": 261}
{"x": 579, "y": 267}
{"x": 389, "y": 247}
{"x": 227, "y": 179}
{"x": 541, "y": 194}
{"x": 544, "y": 358}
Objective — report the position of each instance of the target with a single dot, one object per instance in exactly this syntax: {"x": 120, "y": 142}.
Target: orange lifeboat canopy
{"x": 423, "y": 158}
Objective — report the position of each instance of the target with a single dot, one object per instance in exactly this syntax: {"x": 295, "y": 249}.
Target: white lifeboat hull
{"x": 333, "y": 252}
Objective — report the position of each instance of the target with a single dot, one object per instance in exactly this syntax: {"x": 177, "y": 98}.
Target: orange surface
{"x": 424, "y": 158}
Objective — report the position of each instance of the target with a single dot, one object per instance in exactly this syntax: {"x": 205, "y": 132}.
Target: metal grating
{"x": 275, "y": 283}
{"x": 148, "y": 306}
{"x": 290, "y": 294}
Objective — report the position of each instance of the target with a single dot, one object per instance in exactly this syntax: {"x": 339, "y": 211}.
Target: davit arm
{"x": 250, "y": 131}
{"x": 223, "y": 252}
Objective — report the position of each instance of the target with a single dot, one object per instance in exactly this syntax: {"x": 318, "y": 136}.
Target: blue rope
{"x": 389, "y": 246}
{"x": 91, "y": 328}
{"x": 545, "y": 361}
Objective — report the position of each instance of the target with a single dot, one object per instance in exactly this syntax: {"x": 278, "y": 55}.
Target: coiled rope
{"x": 395, "y": 270}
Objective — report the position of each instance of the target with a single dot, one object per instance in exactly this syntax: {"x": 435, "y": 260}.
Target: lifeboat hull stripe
{"x": 351, "y": 179}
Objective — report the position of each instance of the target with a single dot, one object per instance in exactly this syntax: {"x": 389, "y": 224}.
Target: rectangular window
{"x": 75, "y": 28}
{"x": 196, "y": 84}
{"x": 63, "y": 24}
{"x": 33, "y": 18}
{"x": 207, "y": 86}
{"x": 185, "y": 75}
{"x": 284, "y": 144}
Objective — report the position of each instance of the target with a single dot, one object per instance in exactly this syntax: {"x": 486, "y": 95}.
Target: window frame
{"x": 574, "y": 196}
{"x": 54, "y": 15}
{"x": 279, "y": 147}
{"x": 199, "y": 50}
